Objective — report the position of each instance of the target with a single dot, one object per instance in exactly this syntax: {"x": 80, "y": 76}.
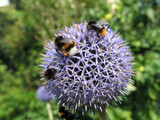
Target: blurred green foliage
{"x": 25, "y": 27}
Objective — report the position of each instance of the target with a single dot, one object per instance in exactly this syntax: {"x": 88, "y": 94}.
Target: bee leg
{"x": 98, "y": 35}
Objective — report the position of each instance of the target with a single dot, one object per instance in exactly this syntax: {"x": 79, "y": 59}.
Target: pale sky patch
{"x": 4, "y": 3}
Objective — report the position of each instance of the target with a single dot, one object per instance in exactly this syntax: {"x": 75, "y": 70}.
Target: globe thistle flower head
{"x": 44, "y": 95}
{"x": 97, "y": 74}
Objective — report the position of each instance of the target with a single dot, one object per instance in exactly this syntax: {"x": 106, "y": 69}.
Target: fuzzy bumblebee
{"x": 66, "y": 45}
{"x": 96, "y": 75}
{"x": 63, "y": 113}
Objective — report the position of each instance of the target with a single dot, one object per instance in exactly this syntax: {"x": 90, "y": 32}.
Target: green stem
{"x": 103, "y": 114}
{"x": 49, "y": 111}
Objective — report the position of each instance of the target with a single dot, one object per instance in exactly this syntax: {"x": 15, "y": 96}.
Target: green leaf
{"x": 152, "y": 93}
{"x": 150, "y": 14}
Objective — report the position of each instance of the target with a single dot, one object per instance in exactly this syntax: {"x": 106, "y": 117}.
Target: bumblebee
{"x": 64, "y": 114}
{"x": 99, "y": 27}
{"x": 50, "y": 73}
{"x": 66, "y": 45}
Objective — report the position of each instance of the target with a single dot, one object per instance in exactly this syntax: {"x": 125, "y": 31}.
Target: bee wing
{"x": 103, "y": 23}
{"x": 67, "y": 40}
{"x": 97, "y": 25}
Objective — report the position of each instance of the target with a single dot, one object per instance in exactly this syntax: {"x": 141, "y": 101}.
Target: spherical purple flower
{"x": 94, "y": 77}
{"x": 43, "y": 94}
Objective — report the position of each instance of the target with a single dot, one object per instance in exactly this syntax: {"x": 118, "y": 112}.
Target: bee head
{"x": 89, "y": 25}
{"x": 61, "y": 109}
{"x": 49, "y": 73}
{"x": 58, "y": 39}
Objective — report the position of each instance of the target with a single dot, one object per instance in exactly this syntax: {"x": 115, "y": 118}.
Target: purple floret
{"x": 96, "y": 76}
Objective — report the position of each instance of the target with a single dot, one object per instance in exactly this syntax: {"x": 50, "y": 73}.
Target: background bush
{"x": 27, "y": 25}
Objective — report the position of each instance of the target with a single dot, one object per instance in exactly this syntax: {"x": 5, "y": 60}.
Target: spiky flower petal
{"x": 96, "y": 75}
